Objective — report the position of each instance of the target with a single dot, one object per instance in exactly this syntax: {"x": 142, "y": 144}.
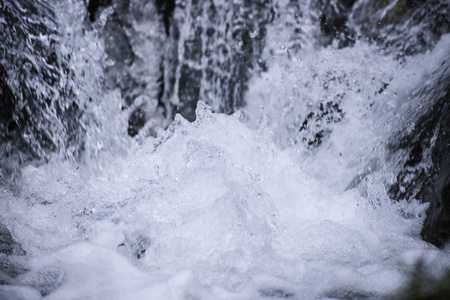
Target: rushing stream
{"x": 271, "y": 149}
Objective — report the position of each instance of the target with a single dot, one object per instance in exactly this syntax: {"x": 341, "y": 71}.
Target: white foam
{"x": 8, "y": 292}
{"x": 215, "y": 205}
{"x": 216, "y": 210}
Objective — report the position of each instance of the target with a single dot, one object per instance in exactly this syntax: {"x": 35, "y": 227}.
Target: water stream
{"x": 252, "y": 174}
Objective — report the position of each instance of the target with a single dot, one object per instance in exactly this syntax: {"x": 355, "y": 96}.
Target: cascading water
{"x": 314, "y": 185}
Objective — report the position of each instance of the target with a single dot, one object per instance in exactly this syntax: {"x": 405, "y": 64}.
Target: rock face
{"x": 93, "y": 7}
{"x": 333, "y": 18}
{"x": 435, "y": 187}
{"x": 36, "y": 104}
{"x": 425, "y": 174}
{"x": 315, "y": 123}
{"x": 7, "y": 243}
{"x": 406, "y": 26}
{"x": 217, "y": 46}
{"x": 138, "y": 56}
{"x": 206, "y": 50}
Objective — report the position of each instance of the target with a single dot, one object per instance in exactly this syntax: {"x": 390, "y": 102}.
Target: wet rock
{"x": 217, "y": 47}
{"x": 94, "y": 6}
{"x": 317, "y": 125}
{"x": 276, "y": 293}
{"x": 424, "y": 287}
{"x": 6, "y": 279}
{"x": 333, "y": 18}
{"x": 436, "y": 189}
{"x": 406, "y": 26}
{"x": 137, "y": 56}
{"x": 37, "y": 106}
{"x": 166, "y": 8}
{"x": 347, "y": 294}
{"x": 8, "y": 245}
{"x": 13, "y": 265}
{"x": 425, "y": 173}
{"x": 198, "y": 50}
{"x": 15, "y": 271}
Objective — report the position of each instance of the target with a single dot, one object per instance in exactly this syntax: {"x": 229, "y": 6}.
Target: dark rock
{"x": 346, "y": 294}
{"x": 14, "y": 265}
{"x": 36, "y": 118}
{"x": 166, "y": 8}
{"x": 406, "y": 26}
{"x": 217, "y": 59}
{"x": 425, "y": 173}
{"x": 214, "y": 65}
{"x": 424, "y": 287}
{"x": 6, "y": 279}
{"x": 11, "y": 266}
{"x": 333, "y": 17}
{"x": 93, "y": 7}
{"x": 436, "y": 189}
{"x": 132, "y": 71}
{"x": 318, "y": 124}
{"x": 136, "y": 121}
{"x": 8, "y": 245}
{"x": 277, "y": 293}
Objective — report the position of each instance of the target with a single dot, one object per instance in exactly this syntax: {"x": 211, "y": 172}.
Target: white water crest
{"x": 237, "y": 206}
{"x": 213, "y": 209}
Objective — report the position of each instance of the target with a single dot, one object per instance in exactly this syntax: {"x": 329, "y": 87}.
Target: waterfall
{"x": 216, "y": 149}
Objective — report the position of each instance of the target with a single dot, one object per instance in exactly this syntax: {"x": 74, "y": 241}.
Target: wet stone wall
{"x": 39, "y": 113}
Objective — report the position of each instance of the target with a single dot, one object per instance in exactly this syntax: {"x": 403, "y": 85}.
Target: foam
{"x": 214, "y": 209}
{"x": 222, "y": 209}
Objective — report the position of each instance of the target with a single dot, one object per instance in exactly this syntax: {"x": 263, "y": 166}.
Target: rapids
{"x": 282, "y": 192}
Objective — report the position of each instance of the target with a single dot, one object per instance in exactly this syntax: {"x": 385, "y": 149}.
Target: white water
{"x": 236, "y": 207}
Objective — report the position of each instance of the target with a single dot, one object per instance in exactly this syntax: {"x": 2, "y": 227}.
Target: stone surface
{"x": 8, "y": 245}
{"x": 34, "y": 113}
{"x": 333, "y": 18}
{"x": 138, "y": 68}
{"x": 205, "y": 50}
{"x": 425, "y": 174}
{"x": 217, "y": 46}
{"x": 436, "y": 188}
{"x": 406, "y": 26}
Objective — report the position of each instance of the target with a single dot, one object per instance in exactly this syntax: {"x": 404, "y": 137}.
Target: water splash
{"x": 224, "y": 202}
{"x": 215, "y": 209}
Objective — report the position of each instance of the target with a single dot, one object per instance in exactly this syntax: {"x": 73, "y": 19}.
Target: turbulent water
{"x": 286, "y": 198}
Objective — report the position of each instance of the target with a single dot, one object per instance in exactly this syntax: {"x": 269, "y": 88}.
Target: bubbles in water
{"x": 222, "y": 201}
{"x": 293, "y": 207}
